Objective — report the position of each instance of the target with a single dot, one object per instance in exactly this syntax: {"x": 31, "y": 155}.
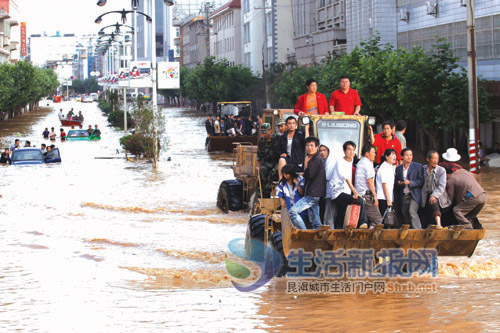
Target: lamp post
{"x": 123, "y": 13}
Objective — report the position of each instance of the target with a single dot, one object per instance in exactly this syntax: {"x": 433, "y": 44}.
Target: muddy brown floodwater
{"x": 105, "y": 245}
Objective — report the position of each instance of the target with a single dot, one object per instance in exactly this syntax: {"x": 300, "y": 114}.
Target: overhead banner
{"x": 169, "y": 75}
{"x": 24, "y": 49}
{"x": 140, "y": 74}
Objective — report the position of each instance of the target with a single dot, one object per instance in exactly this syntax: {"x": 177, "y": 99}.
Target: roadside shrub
{"x": 138, "y": 144}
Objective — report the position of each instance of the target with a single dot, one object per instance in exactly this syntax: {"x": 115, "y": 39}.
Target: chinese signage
{"x": 23, "y": 39}
{"x": 140, "y": 74}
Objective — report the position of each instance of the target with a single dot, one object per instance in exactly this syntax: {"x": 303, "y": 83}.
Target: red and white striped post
{"x": 473, "y": 102}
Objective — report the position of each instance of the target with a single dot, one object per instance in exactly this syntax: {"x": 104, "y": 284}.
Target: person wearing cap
{"x": 267, "y": 157}
{"x": 464, "y": 191}
{"x": 312, "y": 102}
{"x": 282, "y": 126}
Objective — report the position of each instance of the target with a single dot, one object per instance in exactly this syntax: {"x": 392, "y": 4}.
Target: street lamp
{"x": 123, "y": 14}
{"x": 117, "y": 28}
{"x": 135, "y": 3}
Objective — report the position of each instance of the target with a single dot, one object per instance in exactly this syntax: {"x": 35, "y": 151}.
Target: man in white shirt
{"x": 365, "y": 185}
{"x": 343, "y": 191}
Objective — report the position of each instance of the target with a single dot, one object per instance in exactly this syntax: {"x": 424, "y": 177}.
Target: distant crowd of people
{"x": 229, "y": 125}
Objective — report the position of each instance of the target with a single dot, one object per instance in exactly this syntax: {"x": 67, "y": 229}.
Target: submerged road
{"x": 106, "y": 245}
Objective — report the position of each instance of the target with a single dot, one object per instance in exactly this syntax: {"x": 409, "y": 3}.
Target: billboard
{"x": 24, "y": 49}
{"x": 140, "y": 74}
{"x": 123, "y": 77}
{"x": 169, "y": 75}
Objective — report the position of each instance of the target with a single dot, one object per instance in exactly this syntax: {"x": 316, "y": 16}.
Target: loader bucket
{"x": 447, "y": 242}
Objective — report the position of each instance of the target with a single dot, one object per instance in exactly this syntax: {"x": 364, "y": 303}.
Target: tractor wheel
{"x": 230, "y": 196}
{"x": 277, "y": 243}
{"x": 254, "y": 240}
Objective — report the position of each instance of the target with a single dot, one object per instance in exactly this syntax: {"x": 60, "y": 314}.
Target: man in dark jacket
{"x": 315, "y": 187}
{"x": 209, "y": 126}
{"x": 291, "y": 146}
{"x": 409, "y": 181}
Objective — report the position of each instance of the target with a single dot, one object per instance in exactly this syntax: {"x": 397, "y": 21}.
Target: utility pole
{"x": 473, "y": 99}
{"x": 153, "y": 79}
{"x": 207, "y": 8}
{"x": 265, "y": 55}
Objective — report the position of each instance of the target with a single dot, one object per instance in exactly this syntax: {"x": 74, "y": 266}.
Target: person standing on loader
{"x": 267, "y": 157}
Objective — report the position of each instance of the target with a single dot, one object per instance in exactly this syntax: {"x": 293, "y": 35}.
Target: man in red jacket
{"x": 311, "y": 102}
{"x": 345, "y": 99}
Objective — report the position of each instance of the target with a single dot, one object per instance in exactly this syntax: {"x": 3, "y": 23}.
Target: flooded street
{"x": 102, "y": 244}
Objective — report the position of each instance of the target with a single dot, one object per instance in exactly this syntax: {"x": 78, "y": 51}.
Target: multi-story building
{"x": 9, "y": 31}
{"x": 162, "y": 28}
{"x": 195, "y": 40}
{"x": 267, "y": 33}
{"x": 226, "y": 41}
{"x": 319, "y": 29}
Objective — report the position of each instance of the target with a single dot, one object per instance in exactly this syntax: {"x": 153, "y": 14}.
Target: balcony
{"x": 14, "y": 45}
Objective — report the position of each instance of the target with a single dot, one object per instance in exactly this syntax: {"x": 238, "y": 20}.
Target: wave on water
{"x": 107, "y": 241}
{"x": 474, "y": 270}
{"x": 208, "y": 257}
{"x": 135, "y": 209}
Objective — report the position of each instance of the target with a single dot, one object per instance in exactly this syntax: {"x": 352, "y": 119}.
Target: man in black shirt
{"x": 291, "y": 146}
{"x": 315, "y": 187}
{"x": 5, "y": 156}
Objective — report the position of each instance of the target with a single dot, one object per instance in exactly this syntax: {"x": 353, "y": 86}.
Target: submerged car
{"x": 24, "y": 156}
{"x": 87, "y": 99}
{"x": 83, "y": 135}
{"x": 78, "y": 98}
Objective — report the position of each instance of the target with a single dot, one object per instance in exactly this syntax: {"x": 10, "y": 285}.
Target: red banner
{"x": 23, "y": 39}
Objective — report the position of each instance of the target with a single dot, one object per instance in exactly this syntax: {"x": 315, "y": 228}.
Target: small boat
{"x": 72, "y": 122}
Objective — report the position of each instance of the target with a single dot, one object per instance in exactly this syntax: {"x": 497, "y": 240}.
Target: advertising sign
{"x": 23, "y": 40}
{"x": 123, "y": 77}
{"x": 140, "y": 74}
{"x": 169, "y": 75}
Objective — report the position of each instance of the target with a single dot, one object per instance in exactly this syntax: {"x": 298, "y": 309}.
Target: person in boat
{"x": 5, "y": 158}
{"x": 266, "y": 159}
{"x": 97, "y": 131}
{"x": 46, "y": 133}
{"x": 345, "y": 99}
{"x": 315, "y": 187}
{"x": 312, "y": 102}
{"x": 434, "y": 196}
{"x": 217, "y": 129}
{"x": 464, "y": 191}
{"x": 365, "y": 185}
{"x": 89, "y": 130}
{"x": 80, "y": 115}
{"x": 53, "y": 134}
{"x": 343, "y": 192}
{"x": 62, "y": 134}
{"x": 291, "y": 146}
{"x": 70, "y": 114}
{"x": 409, "y": 182}
{"x": 60, "y": 114}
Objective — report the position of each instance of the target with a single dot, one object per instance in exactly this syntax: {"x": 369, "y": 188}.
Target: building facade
{"x": 319, "y": 29}
{"x": 10, "y": 33}
{"x": 194, "y": 41}
{"x": 163, "y": 41}
{"x": 226, "y": 40}
{"x": 254, "y": 41}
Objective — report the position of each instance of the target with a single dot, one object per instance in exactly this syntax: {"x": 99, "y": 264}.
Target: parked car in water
{"x": 25, "y": 156}
{"x": 87, "y": 99}
{"x": 78, "y": 98}
{"x": 94, "y": 96}
{"x": 83, "y": 135}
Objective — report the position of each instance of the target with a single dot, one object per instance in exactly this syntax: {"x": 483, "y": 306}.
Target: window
{"x": 246, "y": 6}
{"x": 246, "y": 59}
{"x": 246, "y": 33}
{"x": 269, "y": 24}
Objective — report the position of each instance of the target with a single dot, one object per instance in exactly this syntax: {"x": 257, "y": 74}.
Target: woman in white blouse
{"x": 385, "y": 180}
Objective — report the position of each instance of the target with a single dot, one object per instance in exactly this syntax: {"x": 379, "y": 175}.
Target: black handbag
{"x": 389, "y": 219}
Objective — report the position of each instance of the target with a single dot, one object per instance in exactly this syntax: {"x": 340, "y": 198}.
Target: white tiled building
{"x": 226, "y": 40}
